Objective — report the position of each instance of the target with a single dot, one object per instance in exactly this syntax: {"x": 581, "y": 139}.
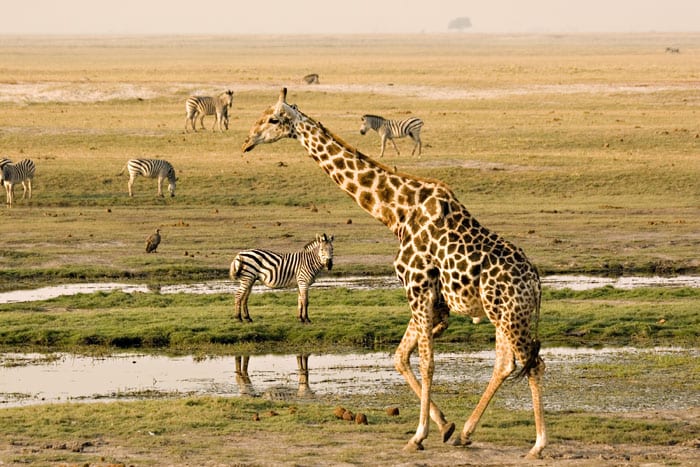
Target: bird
{"x": 153, "y": 241}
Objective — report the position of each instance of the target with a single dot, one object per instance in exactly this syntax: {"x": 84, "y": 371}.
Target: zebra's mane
{"x": 373, "y": 162}
{"x": 311, "y": 244}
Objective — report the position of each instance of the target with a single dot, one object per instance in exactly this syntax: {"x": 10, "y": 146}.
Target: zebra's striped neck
{"x": 387, "y": 195}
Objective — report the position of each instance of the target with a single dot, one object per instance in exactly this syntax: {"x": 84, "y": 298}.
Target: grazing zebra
{"x": 21, "y": 172}
{"x": 390, "y": 129}
{"x": 151, "y": 168}
{"x": 4, "y": 162}
{"x": 311, "y": 78}
{"x": 201, "y": 106}
{"x": 281, "y": 270}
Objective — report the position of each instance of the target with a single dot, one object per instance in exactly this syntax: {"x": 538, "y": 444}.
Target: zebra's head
{"x": 172, "y": 180}
{"x": 227, "y": 98}
{"x": 275, "y": 123}
{"x": 325, "y": 250}
{"x": 369, "y": 122}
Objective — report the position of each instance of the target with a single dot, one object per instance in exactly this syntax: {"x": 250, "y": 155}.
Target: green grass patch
{"x": 105, "y": 321}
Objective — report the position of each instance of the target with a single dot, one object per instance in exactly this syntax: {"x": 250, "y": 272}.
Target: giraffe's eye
{"x": 273, "y": 121}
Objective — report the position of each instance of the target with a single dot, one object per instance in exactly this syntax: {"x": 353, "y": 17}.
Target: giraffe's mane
{"x": 363, "y": 157}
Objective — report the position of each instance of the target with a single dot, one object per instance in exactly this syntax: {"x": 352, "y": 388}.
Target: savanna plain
{"x": 583, "y": 150}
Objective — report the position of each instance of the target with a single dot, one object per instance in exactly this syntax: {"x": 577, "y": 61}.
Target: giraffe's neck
{"x": 384, "y": 194}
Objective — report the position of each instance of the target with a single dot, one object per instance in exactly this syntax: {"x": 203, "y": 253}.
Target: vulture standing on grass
{"x": 153, "y": 241}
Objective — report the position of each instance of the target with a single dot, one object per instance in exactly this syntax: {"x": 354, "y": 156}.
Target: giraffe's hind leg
{"x": 503, "y": 367}
{"x": 534, "y": 380}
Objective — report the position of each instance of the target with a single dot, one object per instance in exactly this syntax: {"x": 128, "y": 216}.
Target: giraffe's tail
{"x": 533, "y": 358}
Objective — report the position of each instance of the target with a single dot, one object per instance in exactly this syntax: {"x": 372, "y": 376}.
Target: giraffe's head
{"x": 275, "y": 123}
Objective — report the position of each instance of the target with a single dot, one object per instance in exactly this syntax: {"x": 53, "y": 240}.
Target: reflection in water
{"x": 278, "y": 392}
{"x": 576, "y": 379}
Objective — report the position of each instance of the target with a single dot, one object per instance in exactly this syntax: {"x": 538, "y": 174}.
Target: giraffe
{"x": 447, "y": 263}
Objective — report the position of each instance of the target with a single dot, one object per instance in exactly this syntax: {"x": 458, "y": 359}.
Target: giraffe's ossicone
{"x": 447, "y": 263}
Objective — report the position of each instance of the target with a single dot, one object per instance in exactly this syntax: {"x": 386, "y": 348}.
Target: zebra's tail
{"x": 123, "y": 169}
{"x": 236, "y": 266}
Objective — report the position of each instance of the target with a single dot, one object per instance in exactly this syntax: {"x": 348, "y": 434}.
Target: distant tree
{"x": 460, "y": 23}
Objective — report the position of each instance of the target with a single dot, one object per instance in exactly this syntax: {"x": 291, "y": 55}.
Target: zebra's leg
{"x": 24, "y": 189}
{"x": 160, "y": 186}
{"x": 242, "y": 294}
{"x": 237, "y": 304}
{"x": 381, "y": 154}
{"x": 395, "y": 146}
{"x": 131, "y": 186}
{"x": 8, "y": 193}
{"x": 419, "y": 145}
{"x": 201, "y": 122}
{"x": 303, "y": 304}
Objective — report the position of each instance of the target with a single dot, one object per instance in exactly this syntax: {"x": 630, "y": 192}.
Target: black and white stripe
{"x": 278, "y": 270}
{"x": 11, "y": 174}
{"x": 390, "y": 129}
{"x": 152, "y": 168}
{"x": 201, "y": 106}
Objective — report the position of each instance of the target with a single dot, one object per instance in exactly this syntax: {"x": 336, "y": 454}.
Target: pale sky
{"x": 341, "y": 17}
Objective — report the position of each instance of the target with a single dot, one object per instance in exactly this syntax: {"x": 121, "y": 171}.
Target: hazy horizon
{"x": 126, "y": 17}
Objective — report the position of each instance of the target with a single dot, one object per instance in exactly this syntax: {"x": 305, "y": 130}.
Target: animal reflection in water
{"x": 276, "y": 392}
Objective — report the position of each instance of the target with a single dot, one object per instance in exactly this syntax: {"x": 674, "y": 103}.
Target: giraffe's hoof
{"x": 413, "y": 446}
{"x": 249, "y": 319}
{"x": 447, "y": 432}
{"x": 461, "y": 442}
{"x": 535, "y": 453}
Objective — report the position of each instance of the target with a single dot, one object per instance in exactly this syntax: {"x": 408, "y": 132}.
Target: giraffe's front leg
{"x": 422, "y": 336}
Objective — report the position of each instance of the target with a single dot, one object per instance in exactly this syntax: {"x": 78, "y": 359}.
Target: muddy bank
{"x": 354, "y": 283}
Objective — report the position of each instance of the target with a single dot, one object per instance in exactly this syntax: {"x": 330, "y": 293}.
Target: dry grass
{"x": 581, "y": 149}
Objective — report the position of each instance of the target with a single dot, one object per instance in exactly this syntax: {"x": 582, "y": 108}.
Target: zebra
{"x": 151, "y": 168}
{"x": 21, "y": 172}
{"x": 311, "y": 78}
{"x": 278, "y": 270}
{"x": 201, "y": 106}
{"x": 390, "y": 129}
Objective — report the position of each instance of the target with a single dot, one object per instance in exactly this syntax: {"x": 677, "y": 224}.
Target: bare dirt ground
{"x": 354, "y": 447}
{"x": 98, "y": 92}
